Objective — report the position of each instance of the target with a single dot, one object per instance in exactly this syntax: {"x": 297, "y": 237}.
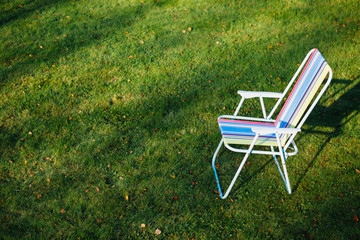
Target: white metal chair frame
{"x": 282, "y": 151}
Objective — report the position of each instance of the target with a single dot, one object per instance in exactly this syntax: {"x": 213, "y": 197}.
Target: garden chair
{"x": 279, "y": 133}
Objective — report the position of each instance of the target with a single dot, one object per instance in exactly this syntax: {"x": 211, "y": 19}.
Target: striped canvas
{"x": 239, "y": 132}
{"x": 309, "y": 81}
{"x": 305, "y": 89}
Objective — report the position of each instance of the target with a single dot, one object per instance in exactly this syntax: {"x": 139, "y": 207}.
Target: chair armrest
{"x": 268, "y": 130}
{"x": 232, "y": 117}
{"x": 252, "y": 94}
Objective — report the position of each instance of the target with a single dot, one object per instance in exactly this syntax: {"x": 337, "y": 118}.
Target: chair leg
{"x": 214, "y": 167}
{"x": 237, "y": 172}
{"x": 278, "y": 165}
{"x": 283, "y": 158}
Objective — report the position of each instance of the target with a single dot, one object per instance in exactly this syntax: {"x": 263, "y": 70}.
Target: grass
{"x": 108, "y": 119}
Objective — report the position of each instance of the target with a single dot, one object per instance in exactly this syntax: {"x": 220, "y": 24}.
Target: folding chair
{"x": 280, "y": 133}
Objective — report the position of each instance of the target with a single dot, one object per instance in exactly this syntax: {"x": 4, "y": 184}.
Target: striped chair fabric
{"x": 309, "y": 81}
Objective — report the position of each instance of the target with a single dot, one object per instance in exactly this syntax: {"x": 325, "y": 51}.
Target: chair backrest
{"x": 308, "y": 83}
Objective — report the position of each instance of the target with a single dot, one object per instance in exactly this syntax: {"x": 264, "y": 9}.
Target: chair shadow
{"x": 332, "y": 116}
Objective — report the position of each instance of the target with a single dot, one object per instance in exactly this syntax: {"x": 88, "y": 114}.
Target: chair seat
{"x": 239, "y": 132}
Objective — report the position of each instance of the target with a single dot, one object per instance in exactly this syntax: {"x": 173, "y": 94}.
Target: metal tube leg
{"x": 240, "y": 167}
{"x": 272, "y": 150}
{"x": 214, "y": 167}
{"x": 282, "y": 155}
{"x": 277, "y": 164}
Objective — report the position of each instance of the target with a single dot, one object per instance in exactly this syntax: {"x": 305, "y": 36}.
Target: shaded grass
{"x": 108, "y": 115}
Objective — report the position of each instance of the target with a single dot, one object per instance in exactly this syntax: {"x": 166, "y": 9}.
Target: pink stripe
{"x": 247, "y": 137}
{"x": 297, "y": 82}
{"x": 247, "y": 122}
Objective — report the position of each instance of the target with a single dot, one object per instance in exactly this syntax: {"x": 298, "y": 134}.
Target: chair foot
{"x": 237, "y": 172}
{"x": 214, "y": 167}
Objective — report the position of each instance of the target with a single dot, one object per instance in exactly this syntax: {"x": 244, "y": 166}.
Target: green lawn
{"x": 108, "y": 119}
